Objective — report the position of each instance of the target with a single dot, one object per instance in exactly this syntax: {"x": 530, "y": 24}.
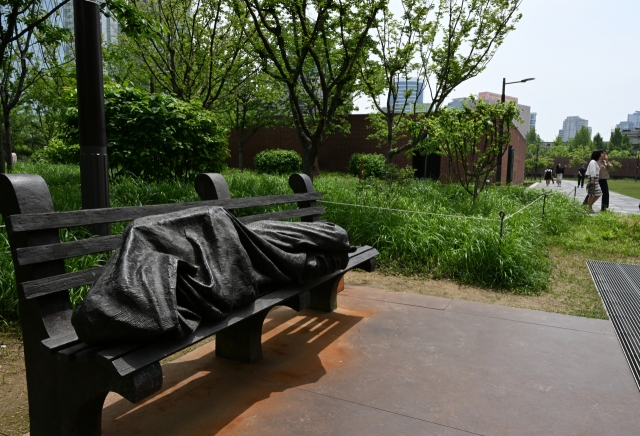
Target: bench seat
{"x": 68, "y": 380}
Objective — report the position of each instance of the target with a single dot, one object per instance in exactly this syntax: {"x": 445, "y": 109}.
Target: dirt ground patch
{"x": 571, "y": 292}
{"x": 14, "y": 412}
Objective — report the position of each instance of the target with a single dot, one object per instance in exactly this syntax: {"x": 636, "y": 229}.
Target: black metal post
{"x": 502, "y": 214}
{"x": 544, "y": 204}
{"x": 94, "y": 167}
{"x": 499, "y": 159}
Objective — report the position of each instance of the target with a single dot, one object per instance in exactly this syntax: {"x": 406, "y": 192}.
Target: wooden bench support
{"x": 242, "y": 342}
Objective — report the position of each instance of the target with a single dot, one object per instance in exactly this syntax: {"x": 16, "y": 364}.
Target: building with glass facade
{"x": 410, "y": 94}
{"x": 571, "y": 126}
{"x": 109, "y": 27}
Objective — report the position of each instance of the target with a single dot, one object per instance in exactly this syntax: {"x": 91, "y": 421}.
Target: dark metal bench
{"x": 68, "y": 380}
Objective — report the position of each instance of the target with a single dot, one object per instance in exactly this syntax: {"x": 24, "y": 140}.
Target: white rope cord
{"x": 409, "y": 211}
{"x": 515, "y": 213}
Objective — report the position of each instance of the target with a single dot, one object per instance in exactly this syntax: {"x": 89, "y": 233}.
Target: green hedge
{"x": 57, "y": 152}
{"x": 155, "y": 136}
{"x": 277, "y": 162}
{"x": 374, "y": 165}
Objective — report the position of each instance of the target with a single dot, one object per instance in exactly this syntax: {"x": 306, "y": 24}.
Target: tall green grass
{"x": 461, "y": 241}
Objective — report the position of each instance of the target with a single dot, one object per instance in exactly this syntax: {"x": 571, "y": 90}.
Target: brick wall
{"x": 334, "y": 153}
{"x": 519, "y": 145}
{"x": 338, "y": 148}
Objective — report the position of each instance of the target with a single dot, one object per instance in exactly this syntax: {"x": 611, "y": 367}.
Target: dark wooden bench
{"x": 68, "y": 380}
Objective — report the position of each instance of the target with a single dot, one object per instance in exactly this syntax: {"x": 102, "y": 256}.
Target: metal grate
{"x": 619, "y": 288}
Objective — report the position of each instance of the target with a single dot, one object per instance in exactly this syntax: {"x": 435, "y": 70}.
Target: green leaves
{"x": 277, "y": 162}
{"x": 472, "y": 139}
{"x": 156, "y": 136}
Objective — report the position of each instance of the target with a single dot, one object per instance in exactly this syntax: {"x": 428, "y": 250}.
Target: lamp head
{"x": 527, "y": 80}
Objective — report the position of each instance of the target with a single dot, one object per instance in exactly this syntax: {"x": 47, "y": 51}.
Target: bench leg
{"x": 242, "y": 341}
{"x": 324, "y": 297}
{"x": 71, "y": 409}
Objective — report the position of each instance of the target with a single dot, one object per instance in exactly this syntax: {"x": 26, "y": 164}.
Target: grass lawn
{"x": 538, "y": 264}
{"x": 625, "y": 187}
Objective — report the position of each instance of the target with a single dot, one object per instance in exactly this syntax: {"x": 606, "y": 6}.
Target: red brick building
{"x": 338, "y": 148}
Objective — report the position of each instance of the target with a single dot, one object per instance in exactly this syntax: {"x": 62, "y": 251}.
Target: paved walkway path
{"x": 388, "y": 363}
{"x": 617, "y": 202}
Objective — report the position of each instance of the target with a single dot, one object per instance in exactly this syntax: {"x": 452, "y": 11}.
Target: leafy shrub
{"x": 374, "y": 165}
{"x": 277, "y": 162}
{"x": 58, "y": 152}
{"x": 155, "y": 136}
{"x": 22, "y": 151}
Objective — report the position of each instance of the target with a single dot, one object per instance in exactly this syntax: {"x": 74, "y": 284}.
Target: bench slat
{"x": 66, "y": 250}
{"x": 283, "y": 215}
{"x": 159, "y": 350}
{"x": 63, "y": 282}
{"x": 56, "y": 220}
{"x": 56, "y": 343}
{"x": 68, "y": 354}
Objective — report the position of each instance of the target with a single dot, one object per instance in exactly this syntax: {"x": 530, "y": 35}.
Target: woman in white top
{"x": 593, "y": 173}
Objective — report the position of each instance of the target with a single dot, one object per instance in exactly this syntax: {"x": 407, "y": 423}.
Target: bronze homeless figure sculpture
{"x": 176, "y": 269}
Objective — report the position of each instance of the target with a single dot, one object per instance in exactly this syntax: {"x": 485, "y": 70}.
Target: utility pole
{"x": 503, "y": 98}
{"x": 94, "y": 165}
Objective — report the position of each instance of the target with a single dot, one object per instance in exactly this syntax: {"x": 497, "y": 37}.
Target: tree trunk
{"x": 2, "y": 167}
{"x": 389, "y": 138}
{"x": 309, "y": 154}
{"x": 240, "y": 154}
{"x": 7, "y": 140}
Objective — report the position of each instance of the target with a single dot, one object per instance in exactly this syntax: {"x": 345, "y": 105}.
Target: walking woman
{"x": 593, "y": 174}
{"x": 559, "y": 173}
{"x": 548, "y": 174}
{"x": 605, "y": 166}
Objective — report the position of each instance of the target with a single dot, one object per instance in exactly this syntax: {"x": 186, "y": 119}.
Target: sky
{"x": 583, "y": 55}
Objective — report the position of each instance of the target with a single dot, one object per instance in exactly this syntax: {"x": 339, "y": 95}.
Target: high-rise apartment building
{"x": 415, "y": 90}
{"x": 632, "y": 123}
{"x": 571, "y": 126}
{"x": 108, "y": 26}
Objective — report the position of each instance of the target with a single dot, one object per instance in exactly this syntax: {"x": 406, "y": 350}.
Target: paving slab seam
{"x": 534, "y": 323}
{"x": 483, "y": 316}
{"x": 395, "y": 302}
{"x": 365, "y": 405}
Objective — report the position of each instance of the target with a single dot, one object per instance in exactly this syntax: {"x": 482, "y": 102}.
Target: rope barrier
{"x": 410, "y": 211}
{"x": 515, "y": 213}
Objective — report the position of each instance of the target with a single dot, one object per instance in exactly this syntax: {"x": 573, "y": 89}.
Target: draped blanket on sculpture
{"x": 172, "y": 271}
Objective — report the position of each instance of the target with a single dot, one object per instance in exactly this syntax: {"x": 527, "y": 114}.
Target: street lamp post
{"x": 94, "y": 176}
{"x": 502, "y": 99}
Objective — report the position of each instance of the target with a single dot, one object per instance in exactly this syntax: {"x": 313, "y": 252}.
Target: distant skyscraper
{"x": 632, "y": 123}
{"x": 417, "y": 92}
{"x": 571, "y": 126}
{"x": 108, "y": 26}
{"x": 532, "y": 123}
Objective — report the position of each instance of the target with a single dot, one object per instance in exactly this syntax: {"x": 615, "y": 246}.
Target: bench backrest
{"x": 38, "y": 254}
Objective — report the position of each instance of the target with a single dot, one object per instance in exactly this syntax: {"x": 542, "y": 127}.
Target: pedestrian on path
{"x": 559, "y": 173}
{"x": 548, "y": 174}
{"x": 605, "y": 166}
{"x": 593, "y": 173}
{"x": 581, "y": 172}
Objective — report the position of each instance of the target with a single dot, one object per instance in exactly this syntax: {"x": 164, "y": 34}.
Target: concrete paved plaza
{"x": 617, "y": 202}
{"x": 389, "y": 363}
